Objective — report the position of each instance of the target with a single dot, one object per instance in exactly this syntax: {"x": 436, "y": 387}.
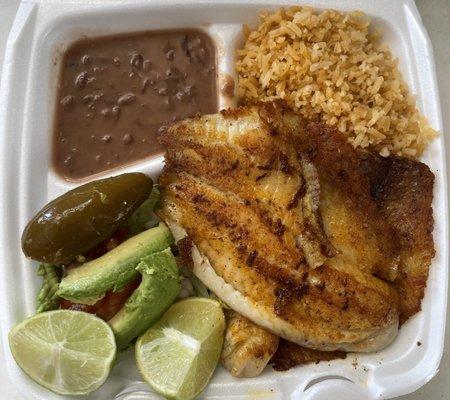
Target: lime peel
{"x": 178, "y": 355}
{"x": 69, "y": 352}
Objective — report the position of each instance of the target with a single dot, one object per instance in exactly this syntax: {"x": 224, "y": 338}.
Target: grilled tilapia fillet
{"x": 289, "y": 355}
{"x": 403, "y": 189}
{"x": 351, "y": 219}
{"x": 239, "y": 153}
{"x": 248, "y": 200}
{"x": 247, "y": 348}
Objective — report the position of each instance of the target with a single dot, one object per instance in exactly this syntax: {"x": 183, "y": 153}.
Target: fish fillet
{"x": 351, "y": 218}
{"x": 247, "y": 348}
{"x": 252, "y": 203}
{"x": 403, "y": 189}
{"x": 289, "y": 355}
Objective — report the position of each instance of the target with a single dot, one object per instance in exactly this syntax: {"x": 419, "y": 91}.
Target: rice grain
{"x": 329, "y": 66}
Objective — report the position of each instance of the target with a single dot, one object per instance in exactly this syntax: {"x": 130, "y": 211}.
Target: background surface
{"x": 436, "y": 18}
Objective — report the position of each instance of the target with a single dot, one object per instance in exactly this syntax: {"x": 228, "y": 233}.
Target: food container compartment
{"x": 41, "y": 32}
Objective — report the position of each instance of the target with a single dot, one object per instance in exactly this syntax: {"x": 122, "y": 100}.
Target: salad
{"x": 112, "y": 278}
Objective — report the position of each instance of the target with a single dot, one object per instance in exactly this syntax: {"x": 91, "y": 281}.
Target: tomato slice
{"x": 107, "y": 307}
{"x": 110, "y": 305}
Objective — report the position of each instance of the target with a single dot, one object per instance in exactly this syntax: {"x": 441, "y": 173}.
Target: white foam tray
{"x": 40, "y": 33}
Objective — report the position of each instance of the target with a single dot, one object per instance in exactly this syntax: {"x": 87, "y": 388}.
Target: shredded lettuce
{"x": 198, "y": 287}
{"x": 47, "y": 299}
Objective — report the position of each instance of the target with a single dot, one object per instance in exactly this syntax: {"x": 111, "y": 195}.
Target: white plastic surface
{"x": 43, "y": 29}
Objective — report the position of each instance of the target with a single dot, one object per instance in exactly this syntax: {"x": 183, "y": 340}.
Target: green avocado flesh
{"x": 88, "y": 283}
{"x": 159, "y": 288}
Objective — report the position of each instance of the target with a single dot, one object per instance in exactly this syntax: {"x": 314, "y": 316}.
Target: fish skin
{"x": 326, "y": 300}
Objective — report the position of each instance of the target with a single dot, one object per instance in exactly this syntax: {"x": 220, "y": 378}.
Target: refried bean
{"x": 117, "y": 93}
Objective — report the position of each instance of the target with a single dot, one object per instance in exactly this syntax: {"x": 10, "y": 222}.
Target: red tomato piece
{"x": 107, "y": 307}
{"x": 110, "y": 305}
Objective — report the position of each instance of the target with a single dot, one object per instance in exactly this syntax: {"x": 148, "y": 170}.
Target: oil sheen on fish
{"x": 276, "y": 235}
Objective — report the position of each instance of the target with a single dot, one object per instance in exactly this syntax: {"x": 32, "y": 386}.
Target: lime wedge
{"x": 68, "y": 352}
{"x": 177, "y": 356}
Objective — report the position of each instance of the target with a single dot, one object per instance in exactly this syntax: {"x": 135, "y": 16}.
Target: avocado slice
{"x": 88, "y": 283}
{"x": 160, "y": 286}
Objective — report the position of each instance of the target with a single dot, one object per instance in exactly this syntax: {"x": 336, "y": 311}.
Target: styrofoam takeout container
{"x": 41, "y": 32}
